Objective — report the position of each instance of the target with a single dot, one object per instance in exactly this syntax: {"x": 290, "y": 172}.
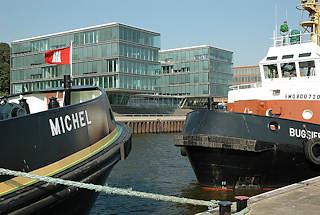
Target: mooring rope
{"x": 111, "y": 190}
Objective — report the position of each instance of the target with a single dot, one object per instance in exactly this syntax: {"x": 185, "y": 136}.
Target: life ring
{"x": 312, "y": 151}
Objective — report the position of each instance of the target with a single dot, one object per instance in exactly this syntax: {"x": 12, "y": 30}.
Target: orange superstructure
{"x": 279, "y": 108}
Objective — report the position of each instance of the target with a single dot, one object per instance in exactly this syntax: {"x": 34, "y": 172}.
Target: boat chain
{"x": 118, "y": 191}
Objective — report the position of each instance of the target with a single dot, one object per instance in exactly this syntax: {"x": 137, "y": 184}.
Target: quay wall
{"x": 142, "y": 124}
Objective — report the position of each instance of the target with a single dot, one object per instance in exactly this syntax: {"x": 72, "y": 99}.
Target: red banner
{"x": 58, "y": 56}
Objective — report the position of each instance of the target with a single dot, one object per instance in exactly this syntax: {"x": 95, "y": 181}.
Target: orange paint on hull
{"x": 268, "y": 189}
{"x": 286, "y": 109}
{"x": 217, "y": 189}
{"x": 229, "y": 189}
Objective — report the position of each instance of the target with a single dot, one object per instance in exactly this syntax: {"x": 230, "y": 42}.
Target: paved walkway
{"x": 298, "y": 199}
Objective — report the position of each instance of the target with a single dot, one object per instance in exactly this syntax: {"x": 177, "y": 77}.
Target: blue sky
{"x": 244, "y": 27}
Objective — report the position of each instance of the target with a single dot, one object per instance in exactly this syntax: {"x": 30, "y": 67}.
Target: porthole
{"x": 307, "y": 114}
{"x": 274, "y": 126}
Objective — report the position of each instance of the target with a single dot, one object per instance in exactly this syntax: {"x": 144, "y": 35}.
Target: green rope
{"x": 111, "y": 190}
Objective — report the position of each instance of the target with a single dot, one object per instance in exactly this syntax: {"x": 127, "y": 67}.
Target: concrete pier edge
{"x": 281, "y": 190}
{"x": 268, "y": 195}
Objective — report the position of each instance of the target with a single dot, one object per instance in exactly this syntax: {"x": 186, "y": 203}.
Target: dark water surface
{"x": 154, "y": 165}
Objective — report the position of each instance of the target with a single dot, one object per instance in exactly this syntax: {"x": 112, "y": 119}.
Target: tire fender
{"x": 312, "y": 151}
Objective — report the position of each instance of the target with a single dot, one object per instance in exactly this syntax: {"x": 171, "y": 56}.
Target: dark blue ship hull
{"x": 231, "y": 151}
{"x": 80, "y": 142}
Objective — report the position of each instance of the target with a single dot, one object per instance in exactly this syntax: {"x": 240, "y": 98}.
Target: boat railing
{"x": 293, "y": 39}
{"x": 246, "y": 86}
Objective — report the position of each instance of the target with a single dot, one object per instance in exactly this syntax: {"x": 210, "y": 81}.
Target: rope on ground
{"x": 111, "y": 190}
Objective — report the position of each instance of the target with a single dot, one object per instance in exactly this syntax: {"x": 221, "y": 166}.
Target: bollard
{"x": 225, "y": 207}
{"x": 241, "y": 202}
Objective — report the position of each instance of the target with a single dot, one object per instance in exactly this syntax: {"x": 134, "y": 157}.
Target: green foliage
{"x": 4, "y": 68}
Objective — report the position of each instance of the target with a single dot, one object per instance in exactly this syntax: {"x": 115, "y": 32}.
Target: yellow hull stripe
{"x": 17, "y": 183}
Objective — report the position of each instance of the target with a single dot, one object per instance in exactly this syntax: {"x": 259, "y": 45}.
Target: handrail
{"x": 280, "y": 40}
{"x": 245, "y": 86}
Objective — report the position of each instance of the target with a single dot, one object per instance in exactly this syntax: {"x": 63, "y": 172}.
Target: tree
{"x": 4, "y": 68}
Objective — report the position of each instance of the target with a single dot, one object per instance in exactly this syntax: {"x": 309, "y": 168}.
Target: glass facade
{"x": 124, "y": 60}
{"x": 246, "y": 75}
{"x": 201, "y": 71}
{"x": 113, "y": 56}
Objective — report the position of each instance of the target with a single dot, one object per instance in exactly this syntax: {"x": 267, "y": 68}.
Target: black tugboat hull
{"x": 83, "y": 149}
{"x": 240, "y": 151}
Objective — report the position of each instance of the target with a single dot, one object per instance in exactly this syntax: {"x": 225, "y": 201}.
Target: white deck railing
{"x": 280, "y": 40}
{"x": 246, "y": 86}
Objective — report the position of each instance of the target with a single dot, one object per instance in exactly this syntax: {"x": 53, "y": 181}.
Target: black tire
{"x": 312, "y": 151}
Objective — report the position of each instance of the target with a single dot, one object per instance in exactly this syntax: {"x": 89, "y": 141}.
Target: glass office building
{"x": 195, "y": 72}
{"x": 120, "y": 58}
{"x": 125, "y": 61}
{"x": 246, "y": 75}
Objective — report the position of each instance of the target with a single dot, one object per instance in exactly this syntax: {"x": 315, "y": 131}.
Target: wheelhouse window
{"x": 272, "y": 58}
{"x": 305, "y": 54}
{"x": 307, "y": 68}
{"x": 287, "y": 56}
{"x": 288, "y": 70}
{"x": 271, "y": 71}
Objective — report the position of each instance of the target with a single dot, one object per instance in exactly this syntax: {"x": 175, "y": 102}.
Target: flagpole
{"x": 71, "y": 59}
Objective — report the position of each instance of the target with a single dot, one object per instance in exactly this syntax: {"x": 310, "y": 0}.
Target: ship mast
{"x": 312, "y": 26}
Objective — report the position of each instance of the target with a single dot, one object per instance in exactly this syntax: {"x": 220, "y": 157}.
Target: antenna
{"x": 301, "y": 19}
{"x": 275, "y": 16}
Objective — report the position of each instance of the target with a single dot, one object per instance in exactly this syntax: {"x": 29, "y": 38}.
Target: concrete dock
{"x": 300, "y": 198}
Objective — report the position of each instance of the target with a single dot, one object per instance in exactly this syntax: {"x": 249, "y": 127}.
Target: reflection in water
{"x": 154, "y": 165}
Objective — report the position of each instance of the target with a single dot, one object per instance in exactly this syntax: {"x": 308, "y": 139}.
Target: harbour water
{"x": 154, "y": 165}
